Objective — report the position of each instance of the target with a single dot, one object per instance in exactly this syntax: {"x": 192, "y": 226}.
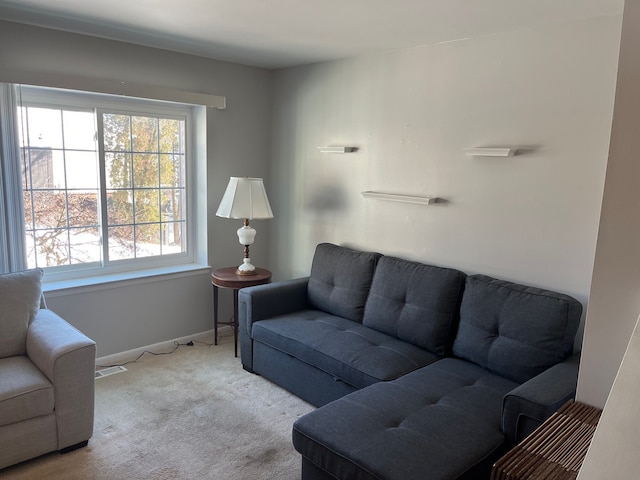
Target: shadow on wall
{"x": 326, "y": 198}
{"x": 325, "y": 204}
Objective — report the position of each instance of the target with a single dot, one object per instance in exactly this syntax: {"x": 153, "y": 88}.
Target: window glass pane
{"x": 145, "y": 170}
{"x": 171, "y": 173}
{"x": 83, "y": 209}
{"x": 171, "y": 205}
{"x": 49, "y": 208}
{"x": 52, "y": 247}
{"x": 81, "y": 170}
{"x": 121, "y": 243}
{"x": 84, "y": 245}
{"x": 44, "y": 127}
{"x": 37, "y": 168}
{"x": 58, "y": 171}
{"x": 146, "y": 206}
{"x": 118, "y": 170}
{"x": 144, "y": 134}
{"x": 148, "y": 240}
{"x": 79, "y": 130}
{"x": 172, "y": 237}
{"x": 117, "y": 132}
{"x": 120, "y": 207}
{"x": 171, "y": 135}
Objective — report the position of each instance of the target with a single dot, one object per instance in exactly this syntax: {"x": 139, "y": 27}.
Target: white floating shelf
{"x": 490, "y": 152}
{"x": 394, "y": 197}
{"x": 336, "y": 149}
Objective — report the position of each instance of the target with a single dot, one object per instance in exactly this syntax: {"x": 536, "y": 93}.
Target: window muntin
{"x": 104, "y": 181}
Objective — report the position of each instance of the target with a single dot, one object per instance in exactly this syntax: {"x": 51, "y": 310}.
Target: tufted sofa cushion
{"x": 19, "y": 301}
{"x": 514, "y": 330}
{"x": 415, "y": 302}
{"x": 340, "y": 280}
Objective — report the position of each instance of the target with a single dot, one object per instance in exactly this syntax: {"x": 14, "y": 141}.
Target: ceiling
{"x": 284, "y": 33}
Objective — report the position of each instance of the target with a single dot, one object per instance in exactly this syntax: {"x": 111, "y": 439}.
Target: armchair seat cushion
{"x": 24, "y": 391}
{"x": 356, "y": 354}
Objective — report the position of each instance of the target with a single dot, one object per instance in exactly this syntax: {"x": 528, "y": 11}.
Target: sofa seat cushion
{"x": 24, "y": 391}
{"x": 340, "y": 280}
{"x": 437, "y": 422}
{"x": 416, "y": 303}
{"x": 355, "y": 354}
{"x": 514, "y": 330}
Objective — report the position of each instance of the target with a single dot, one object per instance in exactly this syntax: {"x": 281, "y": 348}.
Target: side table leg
{"x": 215, "y": 315}
{"x": 235, "y": 321}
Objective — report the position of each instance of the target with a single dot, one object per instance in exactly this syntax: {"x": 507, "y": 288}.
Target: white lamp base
{"x": 246, "y": 268}
{"x": 246, "y": 235}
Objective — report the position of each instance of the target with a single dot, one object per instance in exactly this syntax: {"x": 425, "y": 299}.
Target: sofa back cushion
{"x": 514, "y": 330}
{"x": 416, "y": 303}
{"x": 19, "y": 301}
{"x": 340, "y": 280}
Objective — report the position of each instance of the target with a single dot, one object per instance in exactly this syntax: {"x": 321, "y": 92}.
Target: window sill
{"x": 102, "y": 282}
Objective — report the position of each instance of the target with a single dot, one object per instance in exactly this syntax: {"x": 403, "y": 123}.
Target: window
{"x": 104, "y": 181}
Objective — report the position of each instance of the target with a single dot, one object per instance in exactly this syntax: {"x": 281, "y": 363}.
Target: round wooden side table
{"x": 228, "y": 277}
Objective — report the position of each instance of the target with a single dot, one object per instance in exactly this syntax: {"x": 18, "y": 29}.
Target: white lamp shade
{"x": 245, "y": 198}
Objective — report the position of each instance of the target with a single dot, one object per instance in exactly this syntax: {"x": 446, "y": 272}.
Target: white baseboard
{"x": 129, "y": 355}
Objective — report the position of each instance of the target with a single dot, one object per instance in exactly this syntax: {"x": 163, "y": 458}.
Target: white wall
{"x": 613, "y": 452}
{"x": 531, "y": 218}
{"x": 136, "y": 315}
{"x": 615, "y": 292}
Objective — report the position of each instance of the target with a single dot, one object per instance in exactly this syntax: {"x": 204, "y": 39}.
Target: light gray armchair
{"x": 47, "y": 371}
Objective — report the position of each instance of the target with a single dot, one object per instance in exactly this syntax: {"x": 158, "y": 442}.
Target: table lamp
{"x": 245, "y": 198}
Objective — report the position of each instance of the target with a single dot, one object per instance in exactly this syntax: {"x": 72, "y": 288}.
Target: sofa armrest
{"x": 266, "y": 301}
{"x": 527, "y": 406}
{"x": 67, "y": 358}
{"x": 270, "y": 300}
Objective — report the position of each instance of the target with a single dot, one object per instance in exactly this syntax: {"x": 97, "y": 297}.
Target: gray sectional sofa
{"x": 419, "y": 372}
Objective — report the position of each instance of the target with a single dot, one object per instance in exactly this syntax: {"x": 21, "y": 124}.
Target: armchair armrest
{"x": 67, "y": 358}
{"x": 266, "y": 301}
{"x": 527, "y": 406}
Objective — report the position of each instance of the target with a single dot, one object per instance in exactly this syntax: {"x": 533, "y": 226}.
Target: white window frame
{"x": 191, "y": 259}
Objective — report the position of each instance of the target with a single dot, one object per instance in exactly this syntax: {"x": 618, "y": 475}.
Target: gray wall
{"x": 531, "y": 218}
{"x": 129, "y": 316}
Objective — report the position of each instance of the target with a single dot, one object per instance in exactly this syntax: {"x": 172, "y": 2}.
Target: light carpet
{"x": 193, "y": 414}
